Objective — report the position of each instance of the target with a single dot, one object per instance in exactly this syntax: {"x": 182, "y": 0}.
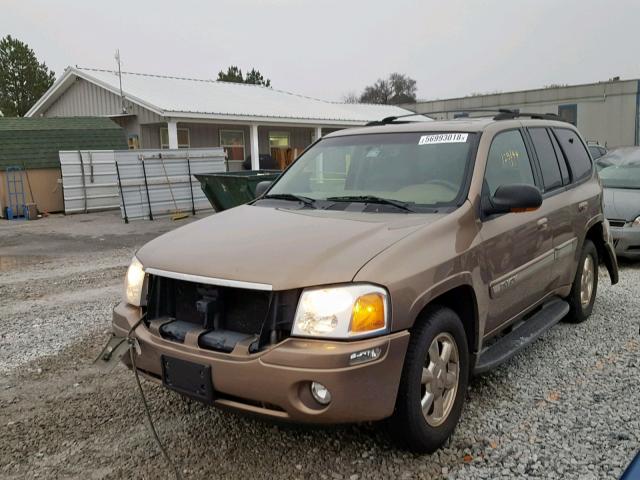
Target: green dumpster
{"x": 229, "y": 189}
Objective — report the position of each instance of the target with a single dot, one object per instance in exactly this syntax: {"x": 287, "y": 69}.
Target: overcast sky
{"x": 326, "y": 49}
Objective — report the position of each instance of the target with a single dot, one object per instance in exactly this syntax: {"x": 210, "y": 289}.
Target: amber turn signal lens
{"x": 368, "y": 313}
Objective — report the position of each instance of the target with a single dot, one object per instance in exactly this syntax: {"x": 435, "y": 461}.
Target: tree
{"x": 234, "y": 74}
{"x": 397, "y": 88}
{"x": 351, "y": 97}
{"x": 256, "y": 78}
{"x": 22, "y": 79}
{"x": 379, "y": 92}
{"x": 403, "y": 87}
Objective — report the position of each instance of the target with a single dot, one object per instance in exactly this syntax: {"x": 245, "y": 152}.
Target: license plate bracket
{"x": 190, "y": 379}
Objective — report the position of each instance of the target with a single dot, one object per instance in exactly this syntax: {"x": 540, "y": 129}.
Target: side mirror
{"x": 262, "y": 187}
{"x": 514, "y": 198}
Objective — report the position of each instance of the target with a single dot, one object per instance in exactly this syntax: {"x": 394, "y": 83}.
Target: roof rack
{"x": 500, "y": 114}
{"x": 506, "y": 114}
{"x": 389, "y": 120}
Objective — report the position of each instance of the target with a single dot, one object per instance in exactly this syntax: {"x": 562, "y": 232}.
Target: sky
{"x": 327, "y": 49}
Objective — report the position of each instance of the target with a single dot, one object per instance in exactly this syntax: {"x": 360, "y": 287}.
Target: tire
{"x": 409, "y": 427}
{"x": 580, "y": 307}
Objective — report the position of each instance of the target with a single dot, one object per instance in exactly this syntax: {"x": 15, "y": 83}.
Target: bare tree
{"x": 379, "y": 92}
{"x": 397, "y": 88}
{"x": 351, "y": 97}
{"x": 403, "y": 87}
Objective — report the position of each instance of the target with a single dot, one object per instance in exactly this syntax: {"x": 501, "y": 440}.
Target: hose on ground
{"x": 154, "y": 432}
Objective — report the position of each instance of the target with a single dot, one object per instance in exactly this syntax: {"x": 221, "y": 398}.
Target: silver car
{"x": 620, "y": 174}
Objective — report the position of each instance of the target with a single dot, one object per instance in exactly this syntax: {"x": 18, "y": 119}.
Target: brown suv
{"x": 382, "y": 269}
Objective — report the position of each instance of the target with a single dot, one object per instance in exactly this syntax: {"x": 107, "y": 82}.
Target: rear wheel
{"x": 585, "y": 285}
{"x": 433, "y": 384}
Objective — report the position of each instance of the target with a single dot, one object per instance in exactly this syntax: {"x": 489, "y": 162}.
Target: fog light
{"x": 365, "y": 355}
{"x": 320, "y": 393}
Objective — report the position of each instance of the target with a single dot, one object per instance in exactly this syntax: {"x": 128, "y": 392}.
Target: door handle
{"x": 543, "y": 223}
{"x": 582, "y": 206}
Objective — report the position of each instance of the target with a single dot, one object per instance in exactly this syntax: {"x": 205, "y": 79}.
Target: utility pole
{"x": 117, "y": 56}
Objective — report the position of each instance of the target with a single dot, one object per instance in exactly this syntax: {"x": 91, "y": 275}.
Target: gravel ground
{"x": 566, "y": 407}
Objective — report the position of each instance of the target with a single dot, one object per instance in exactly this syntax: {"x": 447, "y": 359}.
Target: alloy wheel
{"x": 586, "y": 281}
{"x": 440, "y": 378}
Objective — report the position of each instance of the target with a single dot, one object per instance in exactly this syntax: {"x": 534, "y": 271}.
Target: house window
{"x": 233, "y": 143}
{"x": 569, "y": 113}
{"x": 133, "y": 141}
{"x": 184, "y": 140}
{"x": 279, "y": 139}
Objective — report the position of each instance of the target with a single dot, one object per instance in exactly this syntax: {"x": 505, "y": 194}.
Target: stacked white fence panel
{"x": 168, "y": 187}
{"x": 89, "y": 180}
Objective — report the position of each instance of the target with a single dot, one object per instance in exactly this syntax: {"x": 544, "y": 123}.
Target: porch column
{"x": 318, "y": 134}
{"x": 255, "y": 150}
{"x": 172, "y": 127}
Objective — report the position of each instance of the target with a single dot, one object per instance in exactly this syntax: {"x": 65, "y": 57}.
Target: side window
{"x": 566, "y": 179}
{"x": 576, "y": 153}
{"x": 551, "y": 176}
{"x": 508, "y": 162}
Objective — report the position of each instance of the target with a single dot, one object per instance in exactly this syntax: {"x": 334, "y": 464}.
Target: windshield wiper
{"x": 291, "y": 196}
{"x": 373, "y": 199}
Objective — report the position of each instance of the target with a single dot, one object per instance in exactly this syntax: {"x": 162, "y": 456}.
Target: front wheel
{"x": 433, "y": 384}
{"x": 585, "y": 285}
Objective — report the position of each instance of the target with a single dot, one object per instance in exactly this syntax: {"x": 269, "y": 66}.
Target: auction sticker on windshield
{"x": 443, "y": 138}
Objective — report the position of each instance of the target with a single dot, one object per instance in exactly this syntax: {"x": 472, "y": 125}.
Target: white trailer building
{"x": 604, "y": 112}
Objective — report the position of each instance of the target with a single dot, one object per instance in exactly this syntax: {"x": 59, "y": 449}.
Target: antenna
{"x": 117, "y": 57}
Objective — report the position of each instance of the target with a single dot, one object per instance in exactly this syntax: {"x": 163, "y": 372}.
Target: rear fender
{"x": 611, "y": 262}
{"x": 600, "y": 234}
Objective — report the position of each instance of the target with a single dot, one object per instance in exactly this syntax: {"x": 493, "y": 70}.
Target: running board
{"x": 506, "y": 347}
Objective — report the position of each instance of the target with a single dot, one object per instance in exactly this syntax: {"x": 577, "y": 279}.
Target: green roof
{"x": 35, "y": 142}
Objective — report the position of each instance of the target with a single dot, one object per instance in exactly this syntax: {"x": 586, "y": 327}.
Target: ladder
{"x": 15, "y": 192}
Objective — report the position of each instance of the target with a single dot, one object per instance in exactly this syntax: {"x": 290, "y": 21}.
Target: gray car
{"x": 620, "y": 174}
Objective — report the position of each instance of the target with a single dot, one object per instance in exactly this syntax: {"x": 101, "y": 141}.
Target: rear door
{"x": 517, "y": 247}
{"x": 581, "y": 201}
{"x": 556, "y": 199}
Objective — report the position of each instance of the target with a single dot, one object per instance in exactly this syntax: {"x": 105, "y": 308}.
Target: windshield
{"x": 620, "y": 169}
{"x": 425, "y": 169}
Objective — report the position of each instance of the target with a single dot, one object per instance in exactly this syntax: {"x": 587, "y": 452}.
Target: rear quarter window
{"x": 575, "y": 152}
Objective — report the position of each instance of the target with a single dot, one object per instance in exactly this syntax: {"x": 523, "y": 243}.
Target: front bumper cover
{"x": 626, "y": 241}
{"x": 275, "y": 382}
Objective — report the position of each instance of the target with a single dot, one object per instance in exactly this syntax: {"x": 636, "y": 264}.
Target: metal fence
{"x": 89, "y": 180}
{"x": 142, "y": 183}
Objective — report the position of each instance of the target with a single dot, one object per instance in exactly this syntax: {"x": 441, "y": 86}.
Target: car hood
{"x": 280, "y": 247}
{"x": 621, "y": 203}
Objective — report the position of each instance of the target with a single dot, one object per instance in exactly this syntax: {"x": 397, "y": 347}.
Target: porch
{"x": 253, "y": 146}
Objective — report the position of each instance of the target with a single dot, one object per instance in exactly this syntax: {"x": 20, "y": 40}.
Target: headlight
{"x": 342, "y": 312}
{"x": 636, "y": 222}
{"x": 134, "y": 283}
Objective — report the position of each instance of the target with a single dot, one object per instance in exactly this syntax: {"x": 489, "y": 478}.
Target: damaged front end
{"x": 218, "y": 318}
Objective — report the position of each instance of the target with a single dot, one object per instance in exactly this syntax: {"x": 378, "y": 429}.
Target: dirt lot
{"x": 566, "y": 407}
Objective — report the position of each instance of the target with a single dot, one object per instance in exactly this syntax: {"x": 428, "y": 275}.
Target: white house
{"x": 171, "y": 112}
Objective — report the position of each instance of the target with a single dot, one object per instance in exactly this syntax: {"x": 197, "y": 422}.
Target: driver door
{"x": 517, "y": 247}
